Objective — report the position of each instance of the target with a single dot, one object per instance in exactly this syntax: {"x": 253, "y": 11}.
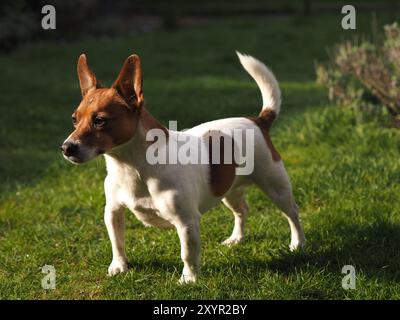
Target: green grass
{"x": 345, "y": 172}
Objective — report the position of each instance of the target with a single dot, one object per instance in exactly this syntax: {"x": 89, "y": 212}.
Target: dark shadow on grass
{"x": 374, "y": 249}
{"x": 370, "y": 248}
{"x": 156, "y": 264}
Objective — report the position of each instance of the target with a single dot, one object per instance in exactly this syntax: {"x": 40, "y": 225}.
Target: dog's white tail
{"x": 266, "y": 81}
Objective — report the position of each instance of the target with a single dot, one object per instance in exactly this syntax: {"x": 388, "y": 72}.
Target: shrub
{"x": 365, "y": 74}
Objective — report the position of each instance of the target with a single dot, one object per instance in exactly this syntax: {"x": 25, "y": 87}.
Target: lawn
{"x": 344, "y": 167}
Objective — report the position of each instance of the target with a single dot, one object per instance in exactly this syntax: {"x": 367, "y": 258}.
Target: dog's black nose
{"x": 69, "y": 148}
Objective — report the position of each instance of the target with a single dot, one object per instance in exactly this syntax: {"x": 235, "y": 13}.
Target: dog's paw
{"x": 231, "y": 241}
{"x": 187, "y": 278}
{"x": 117, "y": 266}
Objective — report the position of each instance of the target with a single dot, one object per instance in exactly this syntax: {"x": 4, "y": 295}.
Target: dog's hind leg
{"x": 276, "y": 185}
{"x": 236, "y": 203}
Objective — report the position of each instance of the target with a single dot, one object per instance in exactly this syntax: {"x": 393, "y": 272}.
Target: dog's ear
{"x": 129, "y": 82}
{"x": 87, "y": 79}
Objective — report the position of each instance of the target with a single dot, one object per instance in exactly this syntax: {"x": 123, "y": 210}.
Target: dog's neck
{"x": 133, "y": 152}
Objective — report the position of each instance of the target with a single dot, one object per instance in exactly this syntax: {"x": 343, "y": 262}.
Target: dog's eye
{"x": 99, "y": 122}
{"x": 74, "y": 120}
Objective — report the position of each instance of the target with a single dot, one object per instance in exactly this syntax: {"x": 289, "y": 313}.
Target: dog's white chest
{"x": 143, "y": 208}
{"x": 124, "y": 187}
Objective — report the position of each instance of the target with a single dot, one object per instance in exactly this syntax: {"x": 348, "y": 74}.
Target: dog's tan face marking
{"x": 264, "y": 122}
{"x": 106, "y": 117}
{"x": 103, "y": 120}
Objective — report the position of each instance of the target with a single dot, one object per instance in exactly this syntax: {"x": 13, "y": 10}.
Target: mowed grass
{"x": 344, "y": 168}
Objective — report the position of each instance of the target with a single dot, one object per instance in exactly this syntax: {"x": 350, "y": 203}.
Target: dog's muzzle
{"x": 76, "y": 152}
{"x": 70, "y": 148}
{"x": 71, "y": 152}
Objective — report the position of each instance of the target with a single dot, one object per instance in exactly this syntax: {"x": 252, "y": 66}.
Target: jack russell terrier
{"x": 114, "y": 122}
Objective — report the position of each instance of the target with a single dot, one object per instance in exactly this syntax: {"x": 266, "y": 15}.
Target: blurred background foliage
{"x": 20, "y": 19}
{"x": 365, "y": 74}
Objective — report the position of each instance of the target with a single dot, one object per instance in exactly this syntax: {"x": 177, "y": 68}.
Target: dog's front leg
{"x": 189, "y": 236}
{"x": 115, "y": 223}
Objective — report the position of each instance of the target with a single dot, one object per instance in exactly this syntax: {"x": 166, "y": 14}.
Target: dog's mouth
{"x": 73, "y": 159}
{"x": 83, "y": 157}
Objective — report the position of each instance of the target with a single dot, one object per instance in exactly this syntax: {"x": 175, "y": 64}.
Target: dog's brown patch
{"x": 222, "y": 174}
{"x": 264, "y": 122}
{"x": 149, "y": 122}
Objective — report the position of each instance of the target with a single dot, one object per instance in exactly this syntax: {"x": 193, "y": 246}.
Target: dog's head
{"x": 106, "y": 117}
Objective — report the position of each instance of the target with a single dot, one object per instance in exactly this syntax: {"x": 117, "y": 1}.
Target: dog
{"x": 115, "y": 123}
